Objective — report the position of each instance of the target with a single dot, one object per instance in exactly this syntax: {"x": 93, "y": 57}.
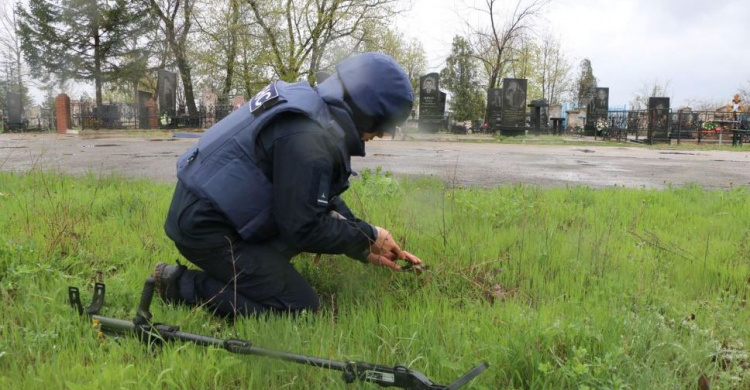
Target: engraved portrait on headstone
{"x": 495, "y": 97}
{"x": 515, "y": 95}
{"x": 428, "y": 85}
{"x": 514, "y": 103}
{"x": 431, "y": 103}
{"x": 601, "y": 101}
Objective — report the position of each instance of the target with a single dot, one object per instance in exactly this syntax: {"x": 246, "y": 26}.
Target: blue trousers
{"x": 240, "y": 279}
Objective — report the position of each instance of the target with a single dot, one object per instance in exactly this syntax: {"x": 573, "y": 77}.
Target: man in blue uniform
{"x": 263, "y": 185}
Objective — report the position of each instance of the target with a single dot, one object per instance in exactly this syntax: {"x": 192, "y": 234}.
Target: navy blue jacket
{"x": 273, "y": 167}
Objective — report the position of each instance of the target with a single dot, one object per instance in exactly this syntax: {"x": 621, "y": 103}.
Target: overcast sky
{"x": 699, "y": 46}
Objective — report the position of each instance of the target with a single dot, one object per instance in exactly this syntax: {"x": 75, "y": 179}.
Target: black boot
{"x": 167, "y": 281}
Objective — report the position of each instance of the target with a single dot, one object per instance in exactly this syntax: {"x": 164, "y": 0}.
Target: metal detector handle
{"x": 143, "y": 315}
{"x": 468, "y": 376}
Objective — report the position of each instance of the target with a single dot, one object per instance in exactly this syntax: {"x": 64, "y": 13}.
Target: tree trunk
{"x": 187, "y": 82}
{"x": 232, "y": 50}
{"x": 97, "y": 71}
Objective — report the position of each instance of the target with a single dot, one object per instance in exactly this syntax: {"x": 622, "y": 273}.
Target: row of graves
{"x": 507, "y": 114}
{"x": 506, "y": 108}
{"x": 160, "y": 110}
{"x": 15, "y": 118}
{"x": 660, "y": 123}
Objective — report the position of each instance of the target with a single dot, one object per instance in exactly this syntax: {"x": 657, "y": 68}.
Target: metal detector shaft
{"x": 154, "y": 333}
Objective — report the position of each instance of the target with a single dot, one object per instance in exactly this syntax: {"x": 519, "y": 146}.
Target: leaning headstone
{"x": 514, "y": 107}
{"x": 658, "y": 125}
{"x": 431, "y": 103}
{"x": 494, "y": 108}
{"x": 166, "y": 87}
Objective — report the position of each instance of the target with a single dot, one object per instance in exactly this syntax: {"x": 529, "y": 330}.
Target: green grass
{"x": 556, "y": 289}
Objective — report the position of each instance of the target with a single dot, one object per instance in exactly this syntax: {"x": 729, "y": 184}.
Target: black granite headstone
{"x": 658, "y": 113}
{"x": 15, "y": 108}
{"x": 431, "y": 103}
{"x": 539, "y": 115}
{"x": 108, "y": 115}
{"x": 166, "y": 91}
{"x": 600, "y": 103}
{"x": 494, "y": 107}
{"x": 596, "y": 111}
{"x": 514, "y": 104}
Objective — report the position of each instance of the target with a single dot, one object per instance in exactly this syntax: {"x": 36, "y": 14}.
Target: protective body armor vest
{"x": 222, "y": 167}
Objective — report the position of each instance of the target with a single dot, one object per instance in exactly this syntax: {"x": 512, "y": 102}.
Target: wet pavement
{"x": 457, "y": 163}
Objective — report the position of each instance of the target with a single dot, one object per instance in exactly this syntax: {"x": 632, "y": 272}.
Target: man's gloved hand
{"x": 384, "y": 251}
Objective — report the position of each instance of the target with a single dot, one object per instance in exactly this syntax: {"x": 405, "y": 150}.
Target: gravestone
{"x": 658, "y": 123}
{"x": 539, "y": 115}
{"x": 441, "y": 105}
{"x": 210, "y": 108}
{"x": 494, "y": 108}
{"x": 166, "y": 89}
{"x": 557, "y": 119}
{"x": 143, "y": 110}
{"x": 682, "y": 125}
{"x": 514, "y": 107}
{"x": 431, "y": 103}
{"x": 108, "y": 115}
{"x": 596, "y": 112}
{"x": 15, "y": 110}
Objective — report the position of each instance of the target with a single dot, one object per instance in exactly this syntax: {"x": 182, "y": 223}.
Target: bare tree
{"x": 176, "y": 18}
{"x": 298, "y": 33}
{"x": 10, "y": 53}
{"x": 656, "y": 88}
{"x": 553, "y": 69}
{"x": 220, "y": 27}
{"x": 494, "y": 45}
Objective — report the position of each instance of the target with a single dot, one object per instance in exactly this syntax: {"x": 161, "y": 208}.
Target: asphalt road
{"x": 457, "y": 163}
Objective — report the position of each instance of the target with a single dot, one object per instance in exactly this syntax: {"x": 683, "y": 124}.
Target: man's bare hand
{"x": 385, "y": 251}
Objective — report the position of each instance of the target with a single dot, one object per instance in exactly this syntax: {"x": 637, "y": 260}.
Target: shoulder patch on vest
{"x": 267, "y": 97}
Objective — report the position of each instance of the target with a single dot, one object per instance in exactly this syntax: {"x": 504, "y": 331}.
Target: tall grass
{"x": 555, "y": 288}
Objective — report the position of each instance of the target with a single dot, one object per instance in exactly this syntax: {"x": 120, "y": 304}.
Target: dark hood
{"x": 379, "y": 90}
{"x": 332, "y": 92}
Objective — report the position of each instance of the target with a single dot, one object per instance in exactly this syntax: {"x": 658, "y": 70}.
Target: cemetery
{"x": 361, "y": 194}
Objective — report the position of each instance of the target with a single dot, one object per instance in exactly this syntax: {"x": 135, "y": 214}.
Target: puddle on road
{"x": 101, "y": 145}
{"x": 162, "y": 139}
{"x": 685, "y": 153}
{"x": 13, "y": 147}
